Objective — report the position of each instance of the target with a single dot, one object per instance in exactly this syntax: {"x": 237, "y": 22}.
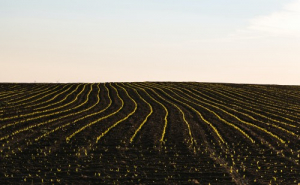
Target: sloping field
{"x": 142, "y": 133}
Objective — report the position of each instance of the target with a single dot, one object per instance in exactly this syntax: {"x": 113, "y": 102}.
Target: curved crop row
{"x": 223, "y": 104}
{"x": 83, "y": 117}
{"x": 21, "y": 93}
{"x": 259, "y": 103}
{"x": 208, "y": 133}
{"x": 62, "y": 91}
{"x": 41, "y": 116}
{"x": 43, "y": 111}
{"x": 239, "y": 119}
{"x": 73, "y": 114}
{"x": 68, "y": 138}
{"x": 238, "y": 103}
{"x": 182, "y": 113}
{"x": 165, "y": 117}
{"x": 29, "y": 97}
{"x": 269, "y": 98}
{"x": 21, "y": 107}
{"x": 121, "y": 120}
{"x": 146, "y": 118}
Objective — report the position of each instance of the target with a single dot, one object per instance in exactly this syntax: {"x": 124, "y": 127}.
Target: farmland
{"x": 149, "y": 132}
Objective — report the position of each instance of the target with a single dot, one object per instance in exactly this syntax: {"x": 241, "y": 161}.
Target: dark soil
{"x": 215, "y": 133}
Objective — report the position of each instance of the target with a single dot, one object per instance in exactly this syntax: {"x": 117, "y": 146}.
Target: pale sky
{"x": 233, "y": 41}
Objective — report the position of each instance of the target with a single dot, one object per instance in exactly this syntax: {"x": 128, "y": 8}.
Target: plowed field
{"x": 149, "y": 133}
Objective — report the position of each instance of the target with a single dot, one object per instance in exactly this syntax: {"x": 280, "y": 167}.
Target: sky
{"x": 232, "y": 41}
